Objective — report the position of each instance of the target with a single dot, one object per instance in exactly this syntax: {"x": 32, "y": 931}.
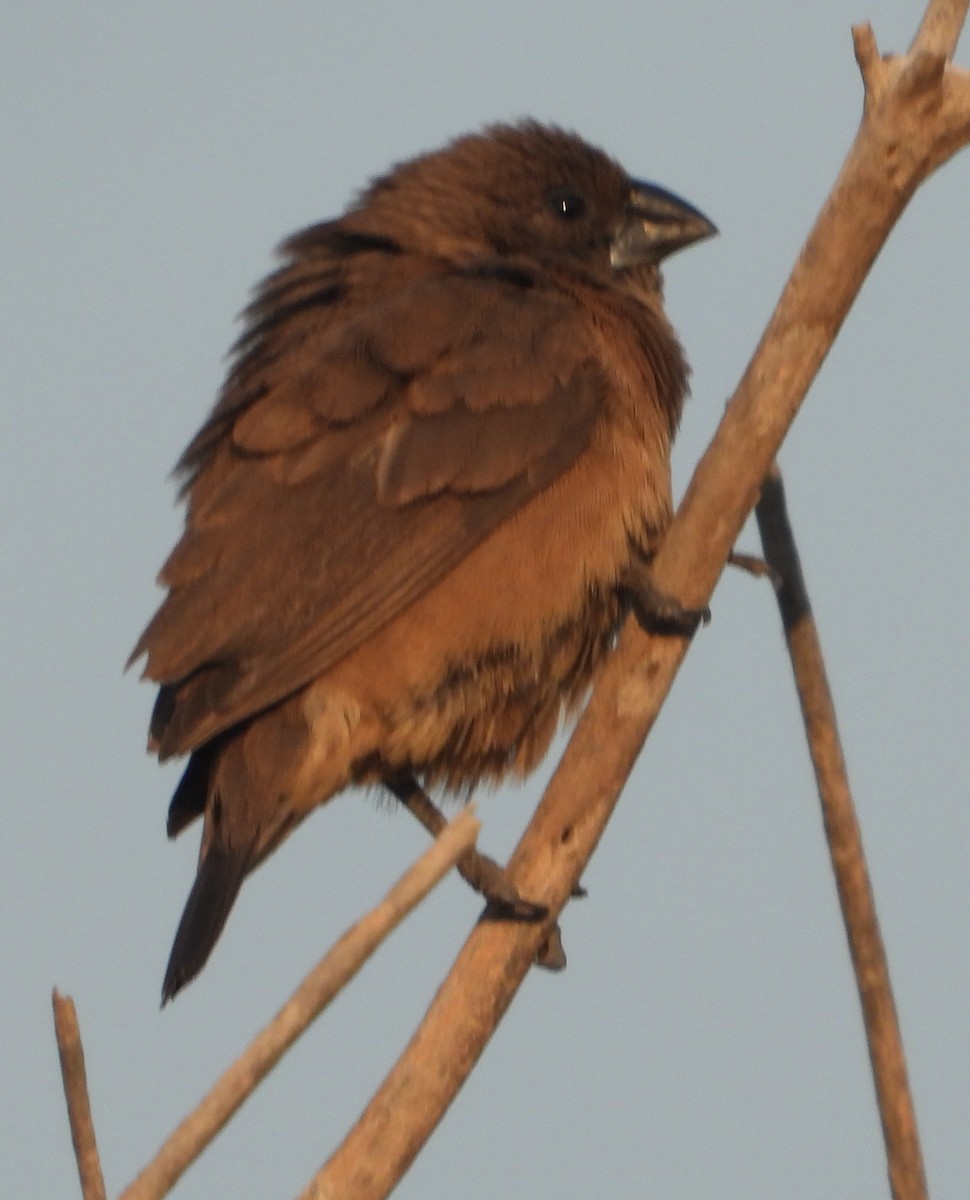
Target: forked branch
{"x": 916, "y": 115}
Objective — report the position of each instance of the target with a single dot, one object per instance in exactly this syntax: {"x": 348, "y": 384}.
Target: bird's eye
{"x": 566, "y": 204}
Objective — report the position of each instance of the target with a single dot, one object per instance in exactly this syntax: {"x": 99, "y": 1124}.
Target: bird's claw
{"x": 551, "y": 954}
{"x": 654, "y": 609}
{"x": 487, "y": 877}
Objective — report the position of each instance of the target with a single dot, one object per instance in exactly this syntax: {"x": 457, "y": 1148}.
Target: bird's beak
{"x": 656, "y": 224}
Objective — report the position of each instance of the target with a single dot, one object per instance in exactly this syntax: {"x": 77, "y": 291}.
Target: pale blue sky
{"x": 705, "y": 1040}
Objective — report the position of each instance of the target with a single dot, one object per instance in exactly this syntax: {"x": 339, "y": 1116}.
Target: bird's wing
{"x": 356, "y": 455}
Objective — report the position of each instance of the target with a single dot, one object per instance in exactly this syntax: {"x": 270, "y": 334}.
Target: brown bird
{"x": 427, "y": 496}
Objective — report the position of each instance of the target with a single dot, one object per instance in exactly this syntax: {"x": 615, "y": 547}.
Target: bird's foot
{"x": 484, "y": 874}
{"x": 550, "y": 954}
{"x": 487, "y": 877}
{"x": 654, "y": 609}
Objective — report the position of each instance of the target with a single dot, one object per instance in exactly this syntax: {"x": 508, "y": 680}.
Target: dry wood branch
{"x": 337, "y": 968}
{"x": 939, "y": 30}
{"x": 71, "y": 1053}
{"x": 844, "y": 837}
{"x": 917, "y": 113}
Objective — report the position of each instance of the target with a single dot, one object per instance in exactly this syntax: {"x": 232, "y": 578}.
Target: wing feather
{"x": 357, "y": 454}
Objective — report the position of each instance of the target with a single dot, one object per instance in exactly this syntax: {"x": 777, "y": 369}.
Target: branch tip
{"x": 940, "y": 29}
{"x": 866, "y": 54}
{"x": 74, "y": 1076}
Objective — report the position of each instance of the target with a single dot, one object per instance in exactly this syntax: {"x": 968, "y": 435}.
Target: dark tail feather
{"x": 193, "y": 789}
{"x": 213, "y": 894}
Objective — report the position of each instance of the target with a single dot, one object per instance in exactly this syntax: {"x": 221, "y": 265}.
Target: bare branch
{"x": 915, "y": 117}
{"x": 919, "y": 104}
{"x": 316, "y": 991}
{"x": 71, "y": 1053}
{"x": 940, "y": 28}
{"x": 844, "y": 837}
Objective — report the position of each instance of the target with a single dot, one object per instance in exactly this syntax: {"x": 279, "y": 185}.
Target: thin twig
{"x": 316, "y": 991}
{"x": 894, "y": 151}
{"x": 844, "y": 836}
{"x": 753, "y": 565}
{"x": 71, "y": 1053}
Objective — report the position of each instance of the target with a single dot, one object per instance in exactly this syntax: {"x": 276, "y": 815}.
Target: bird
{"x": 426, "y": 498}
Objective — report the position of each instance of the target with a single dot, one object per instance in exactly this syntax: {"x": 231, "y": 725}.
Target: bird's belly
{"x": 473, "y": 678}
{"x": 496, "y": 713}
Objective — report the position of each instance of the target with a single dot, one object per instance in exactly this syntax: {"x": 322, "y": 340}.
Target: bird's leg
{"x": 655, "y": 611}
{"x": 480, "y": 872}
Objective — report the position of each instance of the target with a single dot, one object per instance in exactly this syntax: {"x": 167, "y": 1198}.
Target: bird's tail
{"x": 239, "y": 830}
{"x": 221, "y": 872}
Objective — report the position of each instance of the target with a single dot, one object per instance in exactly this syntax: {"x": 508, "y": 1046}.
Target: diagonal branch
{"x": 328, "y": 977}
{"x": 844, "y": 836}
{"x": 232, "y": 1089}
{"x": 917, "y": 114}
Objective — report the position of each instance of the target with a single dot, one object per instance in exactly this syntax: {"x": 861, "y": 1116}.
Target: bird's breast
{"x": 472, "y": 679}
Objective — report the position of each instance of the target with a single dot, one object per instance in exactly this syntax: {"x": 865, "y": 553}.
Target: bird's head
{"x": 529, "y": 190}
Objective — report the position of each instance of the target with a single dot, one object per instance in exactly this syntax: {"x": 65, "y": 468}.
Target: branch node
{"x": 923, "y": 73}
